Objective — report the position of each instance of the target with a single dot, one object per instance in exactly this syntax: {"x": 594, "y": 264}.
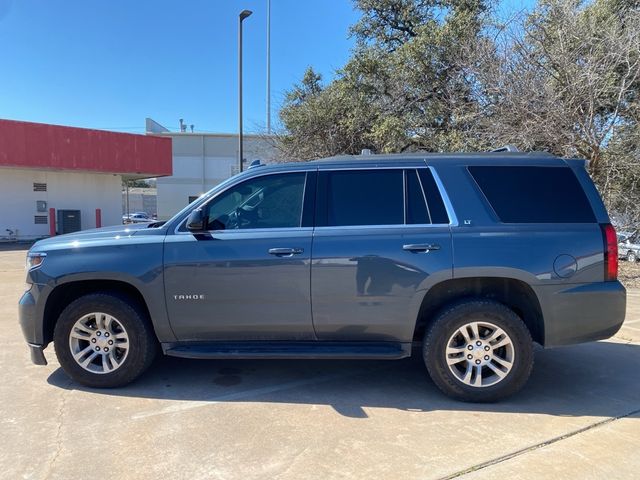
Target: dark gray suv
{"x": 471, "y": 257}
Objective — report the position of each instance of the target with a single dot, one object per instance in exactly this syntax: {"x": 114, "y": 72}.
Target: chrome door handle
{"x": 420, "y": 247}
{"x": 285, "y": 252}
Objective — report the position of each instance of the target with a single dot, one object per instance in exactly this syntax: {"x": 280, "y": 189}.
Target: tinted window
{"x": 416, "y": 207}
{"x": 271, "y": 201}
{"x": 434, "y": 200}
{"x": 534, "y": 194}
{"x": 364, "y": 197}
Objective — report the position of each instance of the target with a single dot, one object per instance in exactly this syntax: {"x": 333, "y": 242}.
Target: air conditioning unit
{"x": 68, "y": 221}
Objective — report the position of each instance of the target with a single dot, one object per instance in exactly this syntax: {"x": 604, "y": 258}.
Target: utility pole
{"x": 243, "y": 14}
{"x": 268, "y": 67}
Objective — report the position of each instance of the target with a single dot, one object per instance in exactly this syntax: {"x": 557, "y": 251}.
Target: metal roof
{"x": 56, "y": 147}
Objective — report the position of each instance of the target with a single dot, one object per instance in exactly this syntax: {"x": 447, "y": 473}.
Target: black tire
{"x": 141, "y": 339}
{"x": 447, "y": 323}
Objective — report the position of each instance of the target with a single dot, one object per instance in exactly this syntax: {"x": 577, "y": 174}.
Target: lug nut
{"x": 106, "y": 349}
{"x": 469, "y": 356}
{"x": 486, "y": 347}
{"x": 470, "y": 347}
{"x": 98, "y": 333}
{"x": 93, "y": 340}
{"x": 478, "y": 343}
{"x": 97, "y": 349}
{"x": 106, "y": 334}
{"x": 477, "y": 362}
{"x": 486, "y": 357}
{"x": 110, "y": 342}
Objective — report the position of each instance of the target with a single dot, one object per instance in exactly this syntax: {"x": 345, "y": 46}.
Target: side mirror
{"x": 196, "y": 223}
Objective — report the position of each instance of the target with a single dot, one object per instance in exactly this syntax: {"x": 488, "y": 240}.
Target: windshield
{"x": 197, "y": 203}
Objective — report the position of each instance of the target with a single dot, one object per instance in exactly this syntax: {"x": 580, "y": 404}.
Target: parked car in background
{"x": 463, "y": 256}
{"x": 137, "y": 217}
{"x": 629, "y": 246}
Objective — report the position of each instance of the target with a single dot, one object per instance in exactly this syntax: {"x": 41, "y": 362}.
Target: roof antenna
{"x": 506, "y": 148}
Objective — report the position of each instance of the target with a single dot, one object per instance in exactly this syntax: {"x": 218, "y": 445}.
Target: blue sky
{"x": 110, "y": 63}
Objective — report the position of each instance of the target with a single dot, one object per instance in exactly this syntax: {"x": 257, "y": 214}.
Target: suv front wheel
{"x": 478, "y": 351}
{"x": 104, "y": 340}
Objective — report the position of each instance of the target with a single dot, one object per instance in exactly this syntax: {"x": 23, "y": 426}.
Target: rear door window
{"x": 362, "y": 197}
{"x": 437, "y": 209}
{"x": 521, "y": 194}
{"x": 379, "y": 197}
{"x": 417, "y": 211}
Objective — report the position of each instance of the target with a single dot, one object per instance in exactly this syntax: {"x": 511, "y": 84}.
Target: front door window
{"x": 271, "y": 201}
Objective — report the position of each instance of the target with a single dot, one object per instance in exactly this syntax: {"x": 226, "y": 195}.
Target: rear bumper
{"x": 582, "y": 313}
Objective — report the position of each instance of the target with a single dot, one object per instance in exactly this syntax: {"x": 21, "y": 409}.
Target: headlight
{"x": 35, "y": 259}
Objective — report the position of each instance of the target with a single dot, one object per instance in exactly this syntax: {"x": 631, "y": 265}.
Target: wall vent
{"x": 39, "y": 187}
{"x": 40, "y": 219}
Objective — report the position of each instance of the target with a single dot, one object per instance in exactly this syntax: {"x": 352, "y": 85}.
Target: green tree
{"x": 407, "y": 86}
{"x": 448, "y": 76}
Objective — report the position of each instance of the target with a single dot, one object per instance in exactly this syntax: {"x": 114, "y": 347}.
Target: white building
{"x": 56, "y": 179}
{"x": 201, "y": 161}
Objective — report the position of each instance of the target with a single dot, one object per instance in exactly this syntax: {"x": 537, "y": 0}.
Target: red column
{"x": 98, "y": 218}
{"x": 52, "y": 222}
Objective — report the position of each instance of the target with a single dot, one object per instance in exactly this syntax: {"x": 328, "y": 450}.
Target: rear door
{"x": 377, "y": 246}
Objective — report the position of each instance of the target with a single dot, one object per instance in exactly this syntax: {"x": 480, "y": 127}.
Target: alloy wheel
{"x": 480, "y": 354}
{"x": 99, "y": 343}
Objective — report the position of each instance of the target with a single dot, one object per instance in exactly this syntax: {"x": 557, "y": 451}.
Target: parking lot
{"x": 578, "y": 417}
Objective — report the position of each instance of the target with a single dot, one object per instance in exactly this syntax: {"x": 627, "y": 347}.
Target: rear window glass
{"x": 534, "y": 194}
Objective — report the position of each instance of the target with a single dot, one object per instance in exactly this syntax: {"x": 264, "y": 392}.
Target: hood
{"x": 89, "y": 236}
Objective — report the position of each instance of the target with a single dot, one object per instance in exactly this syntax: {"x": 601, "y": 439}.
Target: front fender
{"x": 138, "y": 263}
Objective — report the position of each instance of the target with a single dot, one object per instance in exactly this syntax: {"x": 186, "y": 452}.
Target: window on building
{"x": 40, "y": 219}
{"x": 39, "y": 187}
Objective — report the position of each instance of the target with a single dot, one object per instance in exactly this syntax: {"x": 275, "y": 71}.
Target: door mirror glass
{"x": 196, "y": 221}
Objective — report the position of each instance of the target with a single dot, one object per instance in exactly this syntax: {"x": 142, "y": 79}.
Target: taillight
{"x": 610, "y": 252}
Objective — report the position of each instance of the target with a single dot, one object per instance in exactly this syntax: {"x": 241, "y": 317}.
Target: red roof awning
{"x": 44, "y": 146}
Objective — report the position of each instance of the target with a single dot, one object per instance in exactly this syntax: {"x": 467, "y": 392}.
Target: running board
{"x": 274, "y": 350}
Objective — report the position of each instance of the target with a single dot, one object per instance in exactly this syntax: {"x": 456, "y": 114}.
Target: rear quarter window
{"x": 521, "y": 194}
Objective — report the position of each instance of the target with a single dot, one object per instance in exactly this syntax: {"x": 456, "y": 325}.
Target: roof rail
{"x": 506, "y": 148}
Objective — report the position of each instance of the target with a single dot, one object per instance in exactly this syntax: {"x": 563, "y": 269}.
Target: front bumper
{"x": 582, "y": 313}
{"x": 32, "y": 324}
{"x": 37, "y": 354}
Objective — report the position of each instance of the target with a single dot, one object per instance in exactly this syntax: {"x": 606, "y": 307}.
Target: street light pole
{"x": 243, "y": 14}
{"x": 268, "y": 67}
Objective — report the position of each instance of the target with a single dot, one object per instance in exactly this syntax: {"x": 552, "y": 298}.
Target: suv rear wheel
{"x": 478, "y": 351}
{"x": 104, "y": 340}
{"x": 631, "y": 256}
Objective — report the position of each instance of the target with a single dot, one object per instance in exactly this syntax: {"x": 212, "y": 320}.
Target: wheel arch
{"x": 65, "y": 293}
{"x": 514, "y": 293}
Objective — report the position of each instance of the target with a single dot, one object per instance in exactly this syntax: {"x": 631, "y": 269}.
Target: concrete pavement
{"x": 578, "y": 417}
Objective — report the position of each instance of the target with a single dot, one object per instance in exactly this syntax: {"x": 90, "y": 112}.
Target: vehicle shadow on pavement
{"x": 597, "y": 379}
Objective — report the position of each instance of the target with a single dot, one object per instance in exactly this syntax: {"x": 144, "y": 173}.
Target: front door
{"x": 249, "y": 277}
